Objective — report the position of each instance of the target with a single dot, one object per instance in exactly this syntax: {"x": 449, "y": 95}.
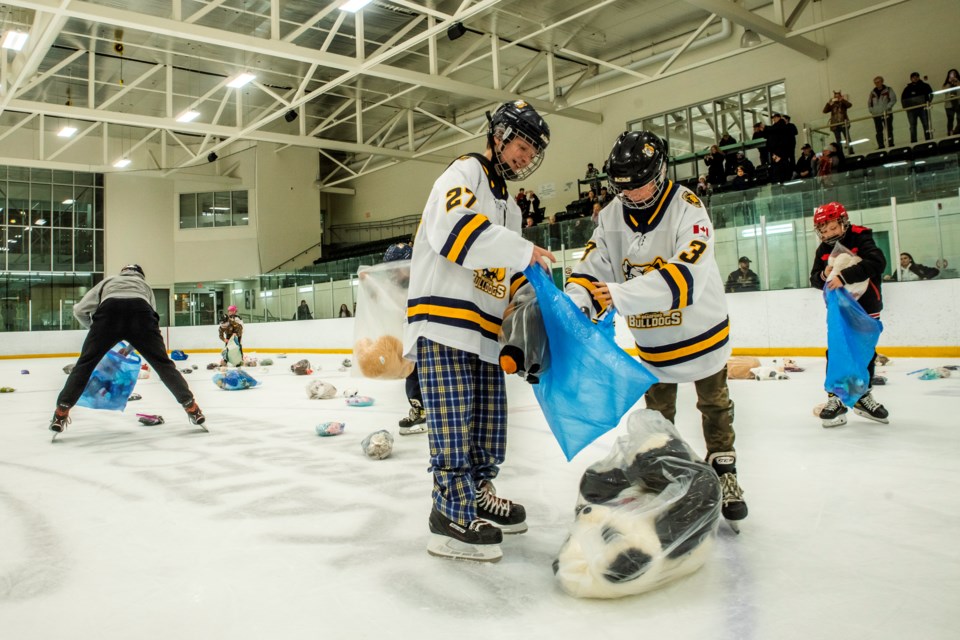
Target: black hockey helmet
{"x": 517, "y": 119}
{"x": 637, "y": 159}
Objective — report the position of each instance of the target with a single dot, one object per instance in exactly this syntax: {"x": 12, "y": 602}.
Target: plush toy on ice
{"x": 647, "y": 514}
{"x": 234, "y": 380}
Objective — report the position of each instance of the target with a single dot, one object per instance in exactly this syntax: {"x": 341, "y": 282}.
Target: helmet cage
{"x": 828, "y": 213}
{"x": 618, "y": 187}
{"x": 638, "y": 158}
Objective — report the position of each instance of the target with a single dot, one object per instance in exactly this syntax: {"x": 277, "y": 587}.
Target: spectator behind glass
{"x": 535, "y": 209}
{"x": 780, "y": 169}
{"x": 743, "y": 279}
{"x": 839, "y": 122}
{"x": 592, "y": 175}
{"x": 951, "y": 102}
{"x": 345, "y": 311}
{"x": 806, "y": 162}
{"x": 703, "y": 187}
{"x": 523, "y": 203}
{"x": 303, "y": 311}
{"x": 730, "y": 155}
{"x": 714, "y": 161}
{"x": 910, "y": 270}
{"x": 881, "y": 102}
{"x": 741, "y": 180}
{"x": 789, "y": 146}
{"x": 915, "y": 99}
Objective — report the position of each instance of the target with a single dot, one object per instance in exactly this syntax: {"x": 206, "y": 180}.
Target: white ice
{"x": 261, "y": 529}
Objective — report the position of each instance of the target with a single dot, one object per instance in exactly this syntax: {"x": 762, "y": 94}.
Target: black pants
{"x": 135, "y": 321}
{"x": 881, "y": 122}
{"x": 414, "y": 395}
{"x": 918, "y": 113}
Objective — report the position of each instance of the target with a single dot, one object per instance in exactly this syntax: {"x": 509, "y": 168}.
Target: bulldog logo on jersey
{"x": 490, "y": 281}
{"x": 692, "y": 199}
{"x": 631, "y": 270}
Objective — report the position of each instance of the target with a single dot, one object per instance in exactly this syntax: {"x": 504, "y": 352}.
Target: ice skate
{"x": 59, "y": 422}
{"x": 479, "y": 541}
{"x": 834, "y": 413}
{"x": 868, "y": 407}
{"x": 415, "y": 422}
{"x": 734, "y": 508}
{"x": 196, "y": 416}
{"x": 507, "y": 516}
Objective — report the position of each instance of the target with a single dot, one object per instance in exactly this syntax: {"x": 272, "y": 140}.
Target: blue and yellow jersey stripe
{"x": 690, "y": 349}
{"x": 454, "y": 313}
{"x": 589, "y": 283}
{"x": 462, "y": 237}
{"x": 517, "y": 281}
{"x": 680, "y": 281}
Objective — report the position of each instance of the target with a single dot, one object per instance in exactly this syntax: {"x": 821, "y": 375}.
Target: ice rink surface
{"x": 260, "y": 529}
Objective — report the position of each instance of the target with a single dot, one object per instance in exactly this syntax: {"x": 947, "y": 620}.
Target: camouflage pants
{"x": 713, "y": 401}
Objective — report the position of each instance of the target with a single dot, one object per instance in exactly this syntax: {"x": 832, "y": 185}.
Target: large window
{"x": 689, "y": 131}
{"x": 214, "y": 209}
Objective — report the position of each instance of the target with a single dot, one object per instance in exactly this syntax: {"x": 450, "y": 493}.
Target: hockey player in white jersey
{"x": 467, "y": 264}
{"x": 651, "y": 257}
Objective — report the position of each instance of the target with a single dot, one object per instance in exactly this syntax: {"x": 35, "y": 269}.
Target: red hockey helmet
{"x": 826, "y": 213}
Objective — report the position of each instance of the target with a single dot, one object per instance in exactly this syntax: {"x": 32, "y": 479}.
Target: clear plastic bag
{"x": 232, "y": 352}
{"x": 591, "y": 382}
{"x": 646, "y": 515}
{"x": 841, "y": 258}
{"x": 523, "y": 340}
{"x": 380, "y": 319}
{"x": 852, "y": 337}
{"x": 113, "y": 380}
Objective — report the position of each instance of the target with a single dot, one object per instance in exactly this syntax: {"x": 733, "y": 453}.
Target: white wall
{"x": 919, "y": 315}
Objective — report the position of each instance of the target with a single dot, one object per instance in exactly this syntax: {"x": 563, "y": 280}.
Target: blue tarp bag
{"x": 113, "y": 380}
{"x": 852, "y": 337}
{"x": 591, "y": 382}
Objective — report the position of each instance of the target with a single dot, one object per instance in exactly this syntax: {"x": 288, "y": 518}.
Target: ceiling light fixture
{"x": 121, "y": 163}
{"x": 188, "y": 116}
{"x": 352, "y": 6}
{"x": 749, "y": 39}
{"x": 15, "y": 40}
{"x": 68, "y": 201}
{"x": 67, "y": 132}
{"x": 241, "y": 80}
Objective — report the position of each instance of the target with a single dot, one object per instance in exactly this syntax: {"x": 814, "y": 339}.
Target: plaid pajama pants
{"x": 466, "y": 405}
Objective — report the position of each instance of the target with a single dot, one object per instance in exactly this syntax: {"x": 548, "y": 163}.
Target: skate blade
{"x": 446, "y": 547}
{"x": 410, "y": 431}
{"x": 56, "y": 434}
{"x": 839, "y": 421}
{"x": 864, "y": 414}
{"x": 510, "y": 529}
{"x": 734, "y": 525}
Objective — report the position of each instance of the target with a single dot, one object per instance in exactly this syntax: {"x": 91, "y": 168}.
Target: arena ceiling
{"x": 395, "y": 81}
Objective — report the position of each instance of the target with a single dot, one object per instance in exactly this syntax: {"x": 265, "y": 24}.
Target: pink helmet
{"x": 232, "y": 308}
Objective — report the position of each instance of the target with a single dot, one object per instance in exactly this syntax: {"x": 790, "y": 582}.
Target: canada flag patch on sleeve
{"x": 701, "y": 230}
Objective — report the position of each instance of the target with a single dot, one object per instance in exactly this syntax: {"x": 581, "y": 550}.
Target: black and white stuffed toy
{"x": 523, "y": 338}
{"x": 647, "y": 514}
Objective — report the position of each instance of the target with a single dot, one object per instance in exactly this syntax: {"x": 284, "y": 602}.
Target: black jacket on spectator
{"x": 859, "y": 240}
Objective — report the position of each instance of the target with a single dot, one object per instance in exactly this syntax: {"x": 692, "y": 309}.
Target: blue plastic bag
{"x": 234, "y": 380}
{"x": 113, "y": 380}
{"x": 591, "y": 382}
{"x": 178, "y": 355}
{"x": 852, "y": 337}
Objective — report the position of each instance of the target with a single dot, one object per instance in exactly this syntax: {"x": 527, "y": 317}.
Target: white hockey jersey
{"x": 659, "y": 265}
{"x": 468, "y": 257}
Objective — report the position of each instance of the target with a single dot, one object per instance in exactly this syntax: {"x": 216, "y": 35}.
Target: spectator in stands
{"x": 593, "y": 176}
{"x": 743, "y": 161}
{"x": 703, "y": 187}
{"x": 780, "y": 169}
{"x": 535, "y": 209}
{"x": 303, "y": 311}
{"x": 345, "y": 311}
{"x": 839, "y": 122}
{"x": 827, "y": 163}
{"x": 595, "y": 214}
{"x": 951, "y": 102}
{"x": 715, "y": 172}
{"x": 523, "y": 203}
{"x": 789, "y": 146}
{"x": 916, "y": 98}
{"x": 730, "y": 155}
{"x": 605, "y": 196}
{"x": 910, "y": 270}
{"x": 806, "y": 162}
{"x": 776, "y": 136}
{"x": 529, "y": 223}
{"x": 741, "y": 180}
{"x": 743, "y": 279}
{"x": 881, "y": 102}
{"x": 760, "y": 133}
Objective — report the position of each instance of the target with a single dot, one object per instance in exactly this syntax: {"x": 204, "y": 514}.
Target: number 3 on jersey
{"x": 460, "y": 197}
{"x": 696, "y": 250}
